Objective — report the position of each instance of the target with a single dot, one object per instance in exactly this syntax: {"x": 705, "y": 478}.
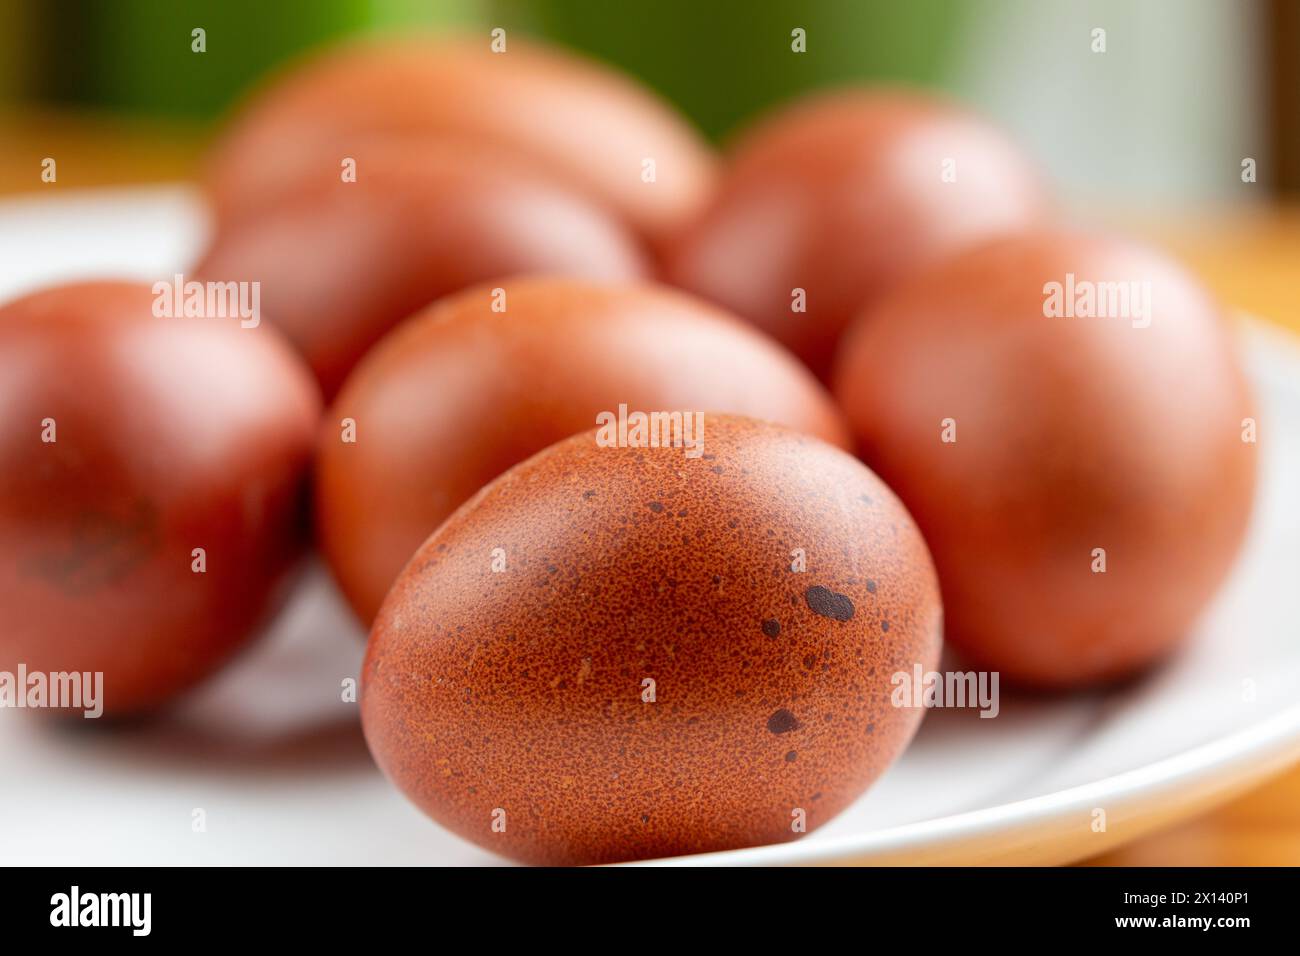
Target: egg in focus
{"x": 617, "y": 653}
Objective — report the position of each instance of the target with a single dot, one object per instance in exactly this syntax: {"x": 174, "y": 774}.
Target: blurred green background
{"x": 135, "y": 55}
{"x": 1185, "y": 89}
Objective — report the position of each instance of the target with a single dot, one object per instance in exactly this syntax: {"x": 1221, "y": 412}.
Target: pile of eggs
{"x": 483, "y": 274}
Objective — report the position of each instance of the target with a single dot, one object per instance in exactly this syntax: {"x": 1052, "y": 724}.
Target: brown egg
{"x": 624, "y": 652}
{"x": 341, "y": 263}
{"x": 584, "y": 123}
{"x": 827, "y": 203}
{"x": 456, "y": 396}
{"x": 1076, "y": 461}
{"x": 126, "y": 443}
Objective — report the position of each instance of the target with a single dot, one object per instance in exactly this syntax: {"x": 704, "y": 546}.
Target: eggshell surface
{"x": 341, "y": 262}
{"x": 128, "y": 441}
{"x": 614, "y": 652}
{"x": 825, "y": 204}
{"x": 587, "y": 125}
{"x": 456, "y": 396}
{"x": 1077, "y": 465}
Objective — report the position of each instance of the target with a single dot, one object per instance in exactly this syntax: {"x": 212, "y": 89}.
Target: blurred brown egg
{"x": 129, "y": 442}
{"x": 1065, "y": 417}
{"x": 341, "y": 263}
{"x": 827, "y": 203}
{"x": 614, "y": 653}
{"x": 484, "y": 379}
{"x": 584, "y": 123}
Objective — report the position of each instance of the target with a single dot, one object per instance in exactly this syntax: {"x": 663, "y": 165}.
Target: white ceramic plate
{"x": 274, "y": 758}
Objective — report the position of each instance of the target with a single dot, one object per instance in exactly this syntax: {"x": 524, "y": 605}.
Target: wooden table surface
{"x": 1251, "y": 257}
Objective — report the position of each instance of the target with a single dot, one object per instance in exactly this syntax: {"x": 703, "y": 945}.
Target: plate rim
{"x": 1182, "y": 783}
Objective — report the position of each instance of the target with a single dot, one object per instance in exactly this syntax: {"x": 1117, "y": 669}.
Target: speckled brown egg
{"x": 1064, "y": 415}
{"x": 614, "y": 653}
{"x": 342, "y": 262}
{"x": 569, "y": 117}
{"x": 826, "y": 203}
{"x": 454, "y": 397}
{"x": 153, "y": 478}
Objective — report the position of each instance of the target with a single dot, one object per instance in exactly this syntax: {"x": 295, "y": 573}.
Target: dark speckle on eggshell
{"x": 782, "y": 722}
{"x": 570, "y": 740}
{"x": 827, "y": 603}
